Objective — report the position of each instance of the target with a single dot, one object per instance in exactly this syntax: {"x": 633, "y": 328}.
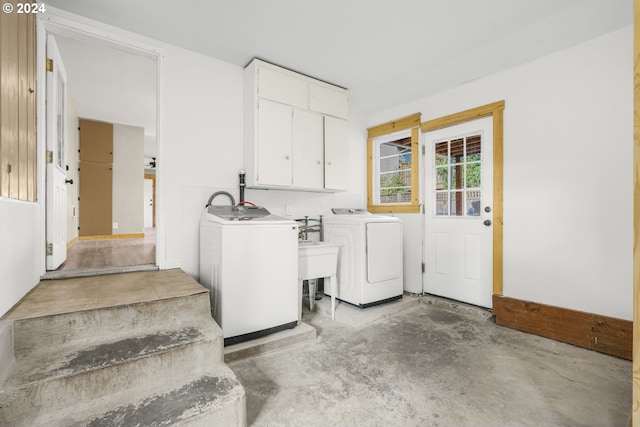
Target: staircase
{"x": 151, "y": 363}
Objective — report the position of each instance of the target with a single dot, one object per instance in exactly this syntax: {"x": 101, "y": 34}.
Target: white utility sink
{"x": 315, "y": 260}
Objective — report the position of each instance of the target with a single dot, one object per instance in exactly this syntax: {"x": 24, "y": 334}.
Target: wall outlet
{"x": 115, "y": 225}
{"x": 288, "y": 210}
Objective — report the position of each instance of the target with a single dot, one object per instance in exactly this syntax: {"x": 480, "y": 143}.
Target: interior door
{"x": 56, "y": 192}
{"x": 458, "y": 216}
{"x": 148, "y": 203}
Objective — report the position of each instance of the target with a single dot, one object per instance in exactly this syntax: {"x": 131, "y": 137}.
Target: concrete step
{"x": 7, "y": 356}
{"x": 157, "y": 362}
{"x": 108, "y": 324}
{"x": 48, "y": 382}
{"x": 215, "y": 398}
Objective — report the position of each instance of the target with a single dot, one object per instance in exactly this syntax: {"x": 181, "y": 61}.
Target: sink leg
{"x": 312, "y": 293}
{"x": 334, "y": 286}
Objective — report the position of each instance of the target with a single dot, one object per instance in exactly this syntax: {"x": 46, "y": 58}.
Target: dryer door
{"x": 384, "y": 251}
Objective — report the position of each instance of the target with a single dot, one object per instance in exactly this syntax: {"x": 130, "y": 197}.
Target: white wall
{"x": 204, "y": 153}
{"x": 567, "y": 172}
{"x": 19, "y": 249}
{"x": 128, "y": 179}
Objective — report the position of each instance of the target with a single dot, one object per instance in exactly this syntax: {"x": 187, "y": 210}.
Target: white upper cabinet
{"x": 295, "y": 130}
{"x": 329, "y": 101}
{"x": 283, "y": 88}
{"x": 308, "y": 156}
{"x": 274, "y": 151}
{"x": 336, "y": 153}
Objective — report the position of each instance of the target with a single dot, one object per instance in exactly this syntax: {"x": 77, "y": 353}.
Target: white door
{"x": 56, "y": 197}
{"x": 148, "y": 203}
{"x": 459, "y": 212}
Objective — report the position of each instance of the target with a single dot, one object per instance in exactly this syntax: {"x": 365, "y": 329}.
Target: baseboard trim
{"x": 604, "y": 334}
{"x": 113, "y": 236}
{"x": 71, "y": 242}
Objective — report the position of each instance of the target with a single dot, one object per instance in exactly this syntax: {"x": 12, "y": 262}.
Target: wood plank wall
{"x": 635, "y": 416}
{"x": 18, "y": 105}
{"x": 588, "y": 330}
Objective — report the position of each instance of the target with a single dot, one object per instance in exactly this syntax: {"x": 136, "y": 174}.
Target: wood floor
{"x": 106, "y": 253}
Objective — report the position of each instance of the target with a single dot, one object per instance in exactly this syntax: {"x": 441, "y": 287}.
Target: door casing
{"x": 84, "y": 29}
{"x": 496, "y": 110}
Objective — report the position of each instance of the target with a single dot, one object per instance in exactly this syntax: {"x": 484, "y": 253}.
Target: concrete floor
{"x": 432, "y": 364}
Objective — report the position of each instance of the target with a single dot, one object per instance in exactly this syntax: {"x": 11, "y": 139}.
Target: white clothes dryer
{"x": 370, "y": 256}
{"x": 249, "y": 263}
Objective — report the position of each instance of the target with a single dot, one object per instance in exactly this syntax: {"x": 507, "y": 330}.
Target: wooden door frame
{"x": 153, "y": 178}
{"x": 495, "y": 110}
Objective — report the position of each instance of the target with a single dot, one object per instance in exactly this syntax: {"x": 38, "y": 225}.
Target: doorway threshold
{"x": 67, "y": 274}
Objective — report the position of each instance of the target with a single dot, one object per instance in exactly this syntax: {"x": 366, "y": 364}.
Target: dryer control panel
{"x": 349, "y": 211}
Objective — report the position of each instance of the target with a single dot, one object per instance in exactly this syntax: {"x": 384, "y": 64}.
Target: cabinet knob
{"x": 317, "y": 162}
{"x": 329, "y": 163}
{"x": 286, "y": 157}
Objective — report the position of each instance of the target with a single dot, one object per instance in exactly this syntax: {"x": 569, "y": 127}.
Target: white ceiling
{"x": 385, "y": 52}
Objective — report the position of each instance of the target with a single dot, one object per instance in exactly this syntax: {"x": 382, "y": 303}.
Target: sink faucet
{"x": 305, "y": 229}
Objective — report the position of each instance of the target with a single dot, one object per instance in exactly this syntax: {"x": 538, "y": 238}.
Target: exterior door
{"x": 56, "y": 192}
{"x": 458, "y": 212}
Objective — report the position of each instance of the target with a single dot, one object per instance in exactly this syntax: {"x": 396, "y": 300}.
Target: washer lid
{"x": 227, "y": 213}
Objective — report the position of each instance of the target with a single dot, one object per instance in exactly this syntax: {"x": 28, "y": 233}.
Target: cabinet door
{"x": 274, "y": 143}
{"x": 336, "y": 153}
{"x": 307, "y": 150}
{"x": 282, "y": 87}
{"x": 329, "y": 101}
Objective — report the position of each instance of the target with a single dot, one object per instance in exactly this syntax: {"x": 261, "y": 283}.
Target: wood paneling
{"x": 636, "y": 214}
{"x": 592, "y": 331}
{"x": 17, "y": 106}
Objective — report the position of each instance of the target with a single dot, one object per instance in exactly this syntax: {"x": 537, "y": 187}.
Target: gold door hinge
{"x": 49, "y": 64}
{"x": 49, "y": 249}
{"x": 49, "y": 156}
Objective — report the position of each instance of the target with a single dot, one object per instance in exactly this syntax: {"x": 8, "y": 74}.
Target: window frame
{"x": 410, "y": 124}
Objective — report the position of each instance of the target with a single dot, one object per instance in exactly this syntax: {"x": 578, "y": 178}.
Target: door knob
{"x": 487, "y": 222}
{"x": 68, "y": 181}
{"x": 487, "y": 209}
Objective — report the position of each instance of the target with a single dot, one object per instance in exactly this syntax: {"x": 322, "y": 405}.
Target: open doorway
{"x": 108, "y": 84}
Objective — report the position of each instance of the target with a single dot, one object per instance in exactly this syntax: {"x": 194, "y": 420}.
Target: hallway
{"x": 104, "y": 253}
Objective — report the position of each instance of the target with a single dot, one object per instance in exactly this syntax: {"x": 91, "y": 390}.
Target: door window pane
{"x": 458, "y": 176}
{"x": 473, "y": 175}
{"x": 442, "y": 178}
{"x": 442, "y": 203}
{"x": 457, "y": 150}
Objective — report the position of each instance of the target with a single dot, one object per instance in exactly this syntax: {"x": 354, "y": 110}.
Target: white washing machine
{"x": 249, "y": 262}
{"x": 370, "y": 256}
